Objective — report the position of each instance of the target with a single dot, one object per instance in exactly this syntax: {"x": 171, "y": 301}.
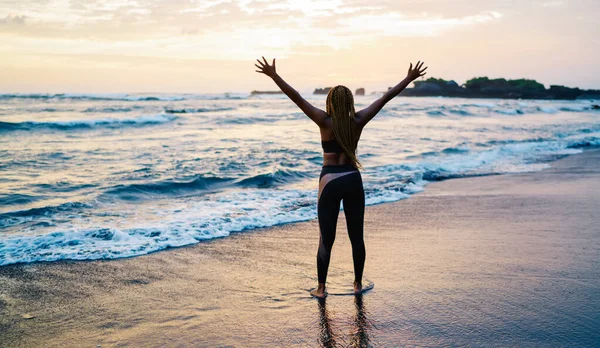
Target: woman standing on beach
{"x": 340, "y": 179}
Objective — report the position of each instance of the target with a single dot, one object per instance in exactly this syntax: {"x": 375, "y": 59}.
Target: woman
{"x": 340, "y": 179}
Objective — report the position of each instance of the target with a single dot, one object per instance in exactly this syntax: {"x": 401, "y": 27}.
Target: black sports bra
{"x": 331, "y": 146}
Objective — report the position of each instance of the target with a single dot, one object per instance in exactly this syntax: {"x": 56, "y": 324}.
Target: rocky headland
{"x": 483, "y": 87}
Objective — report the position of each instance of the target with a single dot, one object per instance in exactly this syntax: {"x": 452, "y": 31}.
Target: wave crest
{"x": 91, "y": 123}
{"x": 97, "y": 97}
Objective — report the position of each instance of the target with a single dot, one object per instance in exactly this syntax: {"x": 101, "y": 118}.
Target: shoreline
{"x": 446, "y": 272}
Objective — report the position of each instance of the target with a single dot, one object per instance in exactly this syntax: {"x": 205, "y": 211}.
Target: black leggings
{"x": 341, "y": 183}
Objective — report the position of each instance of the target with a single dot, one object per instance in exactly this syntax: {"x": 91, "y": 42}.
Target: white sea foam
{"x": 145, "y": 119}
{"x": 509, "y": 111}
{"x": 547, "y": 109}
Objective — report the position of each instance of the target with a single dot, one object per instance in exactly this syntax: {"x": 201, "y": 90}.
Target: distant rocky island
{"x": 483, "y": 87}
{"x": 322, "y": 90}
{"x": 265, "y": 92}
{"x": 359, "y": 91}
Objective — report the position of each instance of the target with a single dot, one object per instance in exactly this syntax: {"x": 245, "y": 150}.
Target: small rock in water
{"x": 595, "y": 107}
{"x": 27, "y": 316}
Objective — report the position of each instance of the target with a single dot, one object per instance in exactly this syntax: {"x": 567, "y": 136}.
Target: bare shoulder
{"x": 326, "y": 122}
{"x": 319, "y": 116}
{"x": 359, "y": 119}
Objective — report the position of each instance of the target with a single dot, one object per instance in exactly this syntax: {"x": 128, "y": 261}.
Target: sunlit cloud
{"x": 217, "y": 29}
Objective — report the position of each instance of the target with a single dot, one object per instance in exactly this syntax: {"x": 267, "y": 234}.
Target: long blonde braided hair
{"x": 340, "y": 107}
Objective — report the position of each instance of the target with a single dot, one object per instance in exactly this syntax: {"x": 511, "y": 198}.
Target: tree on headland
{"x": 484, "y": 87}
{"x": 565, "y": 92}
{"x": 483, "y": 83}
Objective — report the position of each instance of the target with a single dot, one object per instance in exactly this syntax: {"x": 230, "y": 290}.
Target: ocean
{"x": 86, "y": 177}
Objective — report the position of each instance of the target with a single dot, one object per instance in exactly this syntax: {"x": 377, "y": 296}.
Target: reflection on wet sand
{"x": 329, "y": 337}
{"x": 360, "y": 336}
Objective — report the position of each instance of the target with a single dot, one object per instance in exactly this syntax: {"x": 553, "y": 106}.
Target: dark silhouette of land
{"x": 322, "y": 90}
{"x": 483, "y": 87}
{"x": 265, "y": 92}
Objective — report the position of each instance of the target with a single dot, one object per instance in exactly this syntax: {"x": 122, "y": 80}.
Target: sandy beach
{"x": 507, "y": 260}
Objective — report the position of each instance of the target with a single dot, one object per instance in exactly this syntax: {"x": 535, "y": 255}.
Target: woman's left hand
{"x": 265, "y": 68}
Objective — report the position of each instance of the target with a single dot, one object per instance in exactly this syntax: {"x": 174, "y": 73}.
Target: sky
{"x": 209, "y": 46}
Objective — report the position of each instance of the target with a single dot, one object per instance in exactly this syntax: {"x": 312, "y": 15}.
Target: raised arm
{"x": 315, "y": 114}
{"x": 365, "y": 115}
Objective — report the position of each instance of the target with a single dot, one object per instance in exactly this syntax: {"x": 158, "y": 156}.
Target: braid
{"x": 340, "y": 106}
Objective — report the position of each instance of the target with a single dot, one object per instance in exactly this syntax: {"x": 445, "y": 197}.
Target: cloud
{"x": 219, "y": 29}
{"x": 13, "y": 20}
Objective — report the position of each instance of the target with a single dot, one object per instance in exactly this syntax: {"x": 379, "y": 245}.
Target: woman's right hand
{"x": 417, "y": 72}
{"x": 265, "y": 68}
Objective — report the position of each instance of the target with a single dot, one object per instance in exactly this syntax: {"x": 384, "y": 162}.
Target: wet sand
{"x": 510, "y": 260}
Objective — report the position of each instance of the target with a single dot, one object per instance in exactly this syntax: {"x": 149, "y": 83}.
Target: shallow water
{"x": 110, "y": 176}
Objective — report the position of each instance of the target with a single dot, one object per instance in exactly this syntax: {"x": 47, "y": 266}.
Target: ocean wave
{"x": 16, "y": 199}
{"x": 484, "y": 109}
{"x": 167, "y": 187}
{"x": 512, "y": 141}
{"x": 509, "y": 111}
{"x": 573, "y": 108}
{"x": 246, "y": 120}
{"x": 201, "y": 220}
{"x": 547, "y": 109}
{"x": 506, "y": 156}
{"x": 45, "y": 211}
{"x": 587, "y": 142}
{"x": 18, "y": 217}
{"x": 460, "y": 112}
{"x": 110, "y": 110}
{"x": 74, "y": 124}
{"x": 198, "y": 110}
{"x": 95, "y": 97}
{"x": 446, "y": 151}
{"x": 272, "y": 179}
{"x": 481, "y": 105}
{"x": 199, "y": 184}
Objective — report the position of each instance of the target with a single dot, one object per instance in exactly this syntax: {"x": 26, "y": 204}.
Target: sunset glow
{"x": 209, "y": 46}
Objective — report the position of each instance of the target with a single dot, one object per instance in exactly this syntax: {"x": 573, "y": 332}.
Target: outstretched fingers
{"x": 260, "y": 69}
{"x": 264, "y": 66}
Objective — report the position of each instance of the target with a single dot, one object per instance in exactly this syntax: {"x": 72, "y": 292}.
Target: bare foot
{"x": 319, "y": 292}
{"x": 357, "y": 287}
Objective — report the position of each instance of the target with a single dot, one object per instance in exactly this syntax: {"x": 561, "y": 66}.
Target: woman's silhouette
{"x": 340, "y": 179}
